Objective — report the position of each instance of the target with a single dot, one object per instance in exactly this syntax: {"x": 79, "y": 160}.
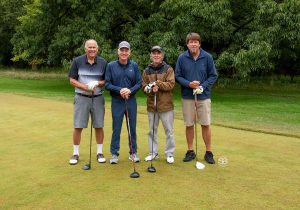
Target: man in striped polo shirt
{"x": 87, "y": 76}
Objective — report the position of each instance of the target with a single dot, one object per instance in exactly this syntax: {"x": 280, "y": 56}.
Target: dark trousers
{"x": 118, "y": 109}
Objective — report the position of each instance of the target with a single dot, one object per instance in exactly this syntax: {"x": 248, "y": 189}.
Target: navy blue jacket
{"x": 203, "y": 70}
{"x": 118, "y": 76}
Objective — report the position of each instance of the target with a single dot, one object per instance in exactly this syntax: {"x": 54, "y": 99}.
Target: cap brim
{"x": 158, "y": 50}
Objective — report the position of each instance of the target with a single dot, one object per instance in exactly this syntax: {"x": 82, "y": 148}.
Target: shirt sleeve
{"x": 211, "y": 73}
{"x": 104, "y": 70}
{"x": 169, "y": 83}
{"x": 179, "y": 73}
{"x": 108, "y": 81}
{"x": 138, "y": 80}
{"x": 73, "y": 73}
{"x": 145, "y": 80}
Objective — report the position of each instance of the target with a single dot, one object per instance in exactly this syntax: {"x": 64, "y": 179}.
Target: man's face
{"x": 193, "y": 46}
{"x": 91, "y": 49}
{"x": 123, "y": 53}
{"x": 156, "y": 57}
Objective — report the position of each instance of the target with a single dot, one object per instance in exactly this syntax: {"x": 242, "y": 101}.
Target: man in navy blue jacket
{"x": 196, "y": 73}
{"x": 123, "y": 80}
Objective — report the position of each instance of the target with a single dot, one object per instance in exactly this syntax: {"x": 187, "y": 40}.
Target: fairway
{"x": 36, "y": 144}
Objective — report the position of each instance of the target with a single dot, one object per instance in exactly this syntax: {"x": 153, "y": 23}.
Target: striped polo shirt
{"x": 85, "y": 72}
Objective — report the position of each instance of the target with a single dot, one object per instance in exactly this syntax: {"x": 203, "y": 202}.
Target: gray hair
{"x": 90, "y": 40}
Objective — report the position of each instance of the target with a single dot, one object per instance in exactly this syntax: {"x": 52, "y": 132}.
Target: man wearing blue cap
{"x": 123, "y": 80}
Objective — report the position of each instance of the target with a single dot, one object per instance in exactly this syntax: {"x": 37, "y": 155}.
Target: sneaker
{"x": 74, "y": 160}
{"x": 101, "y": 158}
{"x": 190, "y": 155}
{"x": 113, "y": 159}
{"x": 151, "y": 157}
{"x": 209, "y": 157}
{"x": 170, "y": 159}
{"x": 136, "y": 159}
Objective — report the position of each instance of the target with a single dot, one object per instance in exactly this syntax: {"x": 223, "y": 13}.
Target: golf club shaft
{"x": 195, "y": 126}
{"x": 129, "y": 134}
{"x": 91, "y": 136}
{"x": 154, "y": 113}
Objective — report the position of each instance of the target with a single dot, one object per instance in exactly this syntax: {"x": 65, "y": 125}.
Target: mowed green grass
{"x": 35, "y": 138}
{"x": 264, "y": 111}
{"x": 256, "y": 106}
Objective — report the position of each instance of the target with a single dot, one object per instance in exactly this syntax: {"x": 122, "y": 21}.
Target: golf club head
{"x": 151, "y": 169}
{"x": 86, "y": 167}
{"x": 200, "y": 165}
{"x": 134, "y": 175}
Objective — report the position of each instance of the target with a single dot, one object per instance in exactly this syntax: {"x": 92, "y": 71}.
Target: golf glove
{"x": 91, "y": 85}
{"x": 148, "y": 88}
{"x": 198, "y": 90}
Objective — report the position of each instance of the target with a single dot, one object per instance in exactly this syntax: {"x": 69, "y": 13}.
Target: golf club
{"x": 134, "y": 174}
{"x": 89, "y": 165}
{"x": 199, "y": 165}
{"x": 151, "y": 168}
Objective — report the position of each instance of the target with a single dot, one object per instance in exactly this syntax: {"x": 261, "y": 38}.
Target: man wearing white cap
{"x": 123, "y": 80}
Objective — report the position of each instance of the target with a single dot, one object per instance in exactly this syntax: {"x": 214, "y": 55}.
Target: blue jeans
{"x": 118, "y": 109}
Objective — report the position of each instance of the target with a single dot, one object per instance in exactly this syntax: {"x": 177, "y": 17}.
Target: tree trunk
{"x": 34, "y": 66}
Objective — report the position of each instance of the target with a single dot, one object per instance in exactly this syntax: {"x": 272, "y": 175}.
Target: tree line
{"x": 245, "y": 37}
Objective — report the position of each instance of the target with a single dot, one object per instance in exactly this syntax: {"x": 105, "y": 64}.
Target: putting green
{"x": 36, "y": 143}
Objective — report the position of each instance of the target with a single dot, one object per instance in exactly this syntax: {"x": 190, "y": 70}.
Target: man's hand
{"x": 198, "y": 90}
{"x": 101, "y": 83}
{"x": 91, "y": 85}
{"x": 149, "y": 87}
{"x": 155, "y": 89}
{"x": 125, "y": 93}
{"x": 194, "y": 84}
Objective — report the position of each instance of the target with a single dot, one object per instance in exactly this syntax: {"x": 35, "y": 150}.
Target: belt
{"x": 88, "y": 96}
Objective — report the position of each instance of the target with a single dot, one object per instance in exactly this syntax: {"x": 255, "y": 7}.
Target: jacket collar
{"x": 157, "y": 67}
{"x": 201, "y": 55}
{"x": 128, "y": 62}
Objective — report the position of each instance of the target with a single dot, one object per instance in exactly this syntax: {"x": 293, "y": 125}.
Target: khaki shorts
{"x": 203, "y": 111}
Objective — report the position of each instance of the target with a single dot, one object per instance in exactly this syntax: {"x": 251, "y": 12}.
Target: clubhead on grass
{"x": 86, "y": 167}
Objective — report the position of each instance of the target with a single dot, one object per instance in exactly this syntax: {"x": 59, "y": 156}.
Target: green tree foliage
{"x": 9, "y": 11}
{"x": 174, "y": 19}
{"x": 271, "y": 45}
{"x": 52, "y": 32}
{"x": 246, "y": 37}
{"x": 28, "y": 36}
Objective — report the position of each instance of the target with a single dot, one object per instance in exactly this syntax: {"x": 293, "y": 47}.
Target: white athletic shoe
{"x": 170, "y": 159}
{"x": 136, "y": 159}
{"x": 113, "y": 159}
{"x": 74, "y": 160}
{"x": 151, "y": 157}
{"x": 101, "y": 158}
